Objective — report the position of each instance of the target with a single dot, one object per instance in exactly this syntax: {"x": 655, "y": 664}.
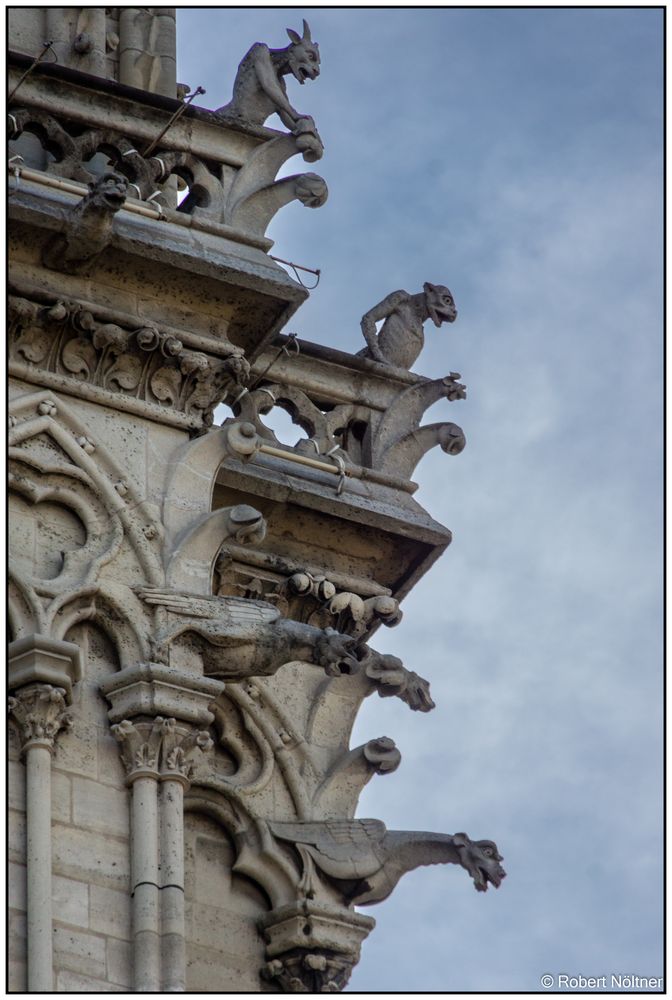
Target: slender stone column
{"x": 140, "y": 748}
{"x": 40, "y": 710}
{"x": 172, "y": 893}
{"x": 159, "y": 753}
{"x": 145, "y": 885}
{"x": 181, "y": 747}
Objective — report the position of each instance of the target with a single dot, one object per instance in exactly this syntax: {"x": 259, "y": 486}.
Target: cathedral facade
{"x": 196, "y": 608}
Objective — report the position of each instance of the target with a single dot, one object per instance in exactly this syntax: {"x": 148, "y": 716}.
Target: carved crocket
{"x": 401, "y": 337}
{"x": 88, "y": 227}
{"x": 259, "y": 89}
{"x": 366, "y": 860}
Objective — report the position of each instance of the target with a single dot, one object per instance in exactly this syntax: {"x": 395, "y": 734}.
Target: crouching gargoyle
{"x": 259, "y": 89}
{"x": 365, "y": 860}
{"x": 401, "y": 336}
{"x": 88, "y": 226}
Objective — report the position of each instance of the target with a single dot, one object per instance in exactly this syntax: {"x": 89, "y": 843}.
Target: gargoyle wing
{"x": 245, "y": 612}
{"x": 344, "y": 849}
{"x": 182, "y": 604}
{"x": 234, "y": 610}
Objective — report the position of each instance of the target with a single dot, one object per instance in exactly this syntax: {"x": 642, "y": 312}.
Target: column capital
{"x": 312, "y": 947}
{"x": 39, "y": 659}
{"x": 160, "y": 748}
{"x": 40, "y": 711}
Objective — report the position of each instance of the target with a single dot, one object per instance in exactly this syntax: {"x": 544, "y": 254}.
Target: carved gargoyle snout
{"x": 336, "y": 653}
{"x": 111, "y": 189}
{"x": 481, "y": 858}
{"x": 440, "y": 303}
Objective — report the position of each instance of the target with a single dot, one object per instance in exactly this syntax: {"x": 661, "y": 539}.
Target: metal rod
{"x": 180, "y": 111}
{"x": 313, "y": 463}
{"x": 299, "y": 267}
{"x": 36, "y": 60}
{"x": 74, "y": 187}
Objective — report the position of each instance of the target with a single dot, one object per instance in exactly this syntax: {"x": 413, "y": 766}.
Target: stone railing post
{"x": 156, "y": 714}
{"x": 41, "y": 674}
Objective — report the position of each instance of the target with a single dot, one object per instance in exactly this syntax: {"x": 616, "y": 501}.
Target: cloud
{"x": 516, "y": 156}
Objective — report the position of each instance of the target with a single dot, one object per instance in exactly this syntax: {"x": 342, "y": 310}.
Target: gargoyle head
{"x": 303, "y": 55}
{"x": 440, "y": 304}
{"x": 481, "y": 859}
{"x": 334, "y": 652}
{"x": 108, "y": 191}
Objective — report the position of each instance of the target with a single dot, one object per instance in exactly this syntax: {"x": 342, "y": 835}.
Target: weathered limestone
{"x": 41, "y": 675}
{"x": 201, "y": 599}
{"x": 158, "y": 756}
{"x": 401, "y": 337}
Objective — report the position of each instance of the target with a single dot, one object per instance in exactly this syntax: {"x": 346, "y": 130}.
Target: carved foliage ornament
{"x": 145, "y": 363}
{"x": 310, "y": 972}
{"x": 160, "y": 747}
{"x": 40, "y": 713}
{"x": 245, "y": 199}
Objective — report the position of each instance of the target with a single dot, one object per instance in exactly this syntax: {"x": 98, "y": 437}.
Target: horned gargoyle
{"x": 401, "y": 337}
{"x": 366, "y": 860}
{"x": 259, "y": 89}
{"x": 88, "y": 227}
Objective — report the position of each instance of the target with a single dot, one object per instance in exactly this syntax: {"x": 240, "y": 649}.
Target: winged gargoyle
{"x": 366, "y": 860}
{"x": 241, "y": 638}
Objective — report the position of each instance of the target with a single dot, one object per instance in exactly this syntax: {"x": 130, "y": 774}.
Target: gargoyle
{"x": 393, "y": 679}
{"x": 401, "y": 337}
{"x": 366, "y": 860}
{"x": 88, "y": 228}
{"x": 239, "y": 639}
{"x": 259, "y": 89}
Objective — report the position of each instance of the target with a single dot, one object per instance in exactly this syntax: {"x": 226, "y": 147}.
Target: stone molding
{"x": 39, "y": 659}
{"x": 154, "y": 689}
{"x": 243, "y": 199}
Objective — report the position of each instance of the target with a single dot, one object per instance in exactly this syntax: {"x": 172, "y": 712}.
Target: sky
{"x": 514, "y": 155}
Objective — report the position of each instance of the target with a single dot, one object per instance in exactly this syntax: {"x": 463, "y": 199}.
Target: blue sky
{"x": 516, "y": 156}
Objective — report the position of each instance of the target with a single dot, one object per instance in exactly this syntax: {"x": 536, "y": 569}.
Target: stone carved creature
{"x": 366, "y": 860}
{"x": 392, "y": 679}
{"x": 259, "y": 89}
{"x": 401, "y": 337}
{"x": 88, "y": 228}
{"x": 239, "y": 638}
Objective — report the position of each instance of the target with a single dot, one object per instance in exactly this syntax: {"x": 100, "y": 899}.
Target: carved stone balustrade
{"x": 230, "y": 169}
{"x": 66, "y": 129}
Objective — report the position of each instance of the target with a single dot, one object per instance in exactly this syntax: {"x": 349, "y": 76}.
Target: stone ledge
{"x": 39, "y": 659}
